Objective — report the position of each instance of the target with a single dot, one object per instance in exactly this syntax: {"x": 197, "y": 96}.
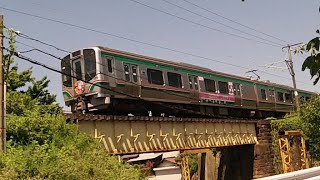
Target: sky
{"x": 172, "y": 30}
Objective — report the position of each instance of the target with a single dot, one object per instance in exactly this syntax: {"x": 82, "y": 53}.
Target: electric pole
{"x": 2, "y": 111}
{"x": 289, "y": 63}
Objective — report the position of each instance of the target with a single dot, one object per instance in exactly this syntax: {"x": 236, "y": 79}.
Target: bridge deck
{"x": 124, "y": 134}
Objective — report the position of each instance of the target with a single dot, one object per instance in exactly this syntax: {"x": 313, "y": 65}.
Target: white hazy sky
{"x": 290, "y": 20}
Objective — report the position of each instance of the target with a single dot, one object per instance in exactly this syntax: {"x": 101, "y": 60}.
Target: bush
{"x": 48, "y": 148}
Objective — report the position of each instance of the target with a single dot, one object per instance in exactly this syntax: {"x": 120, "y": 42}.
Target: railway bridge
{"x": 246, "y": 145}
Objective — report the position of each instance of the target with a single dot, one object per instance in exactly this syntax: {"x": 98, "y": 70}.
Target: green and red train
{"x": 107, "y": 81}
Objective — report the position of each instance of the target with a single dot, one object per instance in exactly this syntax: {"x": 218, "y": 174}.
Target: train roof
{"x": 194, "y": 67}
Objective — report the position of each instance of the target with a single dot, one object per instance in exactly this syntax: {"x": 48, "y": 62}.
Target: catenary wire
{"x": 201, "y": 25}
{"x": 220, "y": 23}
{"x": 231, "y": 20}
{"x": 161, "y": 47}
{"x": 103, "y": 87}
{"x": 126, "y": 38}
{"x": 209, "y": 59}
{"x": 129, "y": 95}
{"x": 136, "y": 41}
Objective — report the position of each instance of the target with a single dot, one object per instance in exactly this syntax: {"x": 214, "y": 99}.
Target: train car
{"x": 107, "y": 81}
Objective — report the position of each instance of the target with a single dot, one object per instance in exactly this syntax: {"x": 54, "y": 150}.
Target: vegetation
{"x": 40, "y": 143}
{"x": 306, "y": 120}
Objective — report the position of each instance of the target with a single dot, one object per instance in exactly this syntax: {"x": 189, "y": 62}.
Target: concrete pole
{"x": 2, "y": 112}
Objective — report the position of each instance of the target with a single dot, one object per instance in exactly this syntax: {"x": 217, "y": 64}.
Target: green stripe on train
{"x": 99, "y": 84}
{"x": 66, "y": 94}
{"x": 168, "y": 67}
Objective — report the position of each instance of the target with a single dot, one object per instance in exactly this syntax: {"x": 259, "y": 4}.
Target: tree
{"x": 41, "y": 145}
{"x": 20, "y": 101}
{"x": 39, "y": 91}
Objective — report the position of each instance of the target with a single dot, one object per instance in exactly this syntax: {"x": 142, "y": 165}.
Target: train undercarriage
{"x": 132, "y": 107}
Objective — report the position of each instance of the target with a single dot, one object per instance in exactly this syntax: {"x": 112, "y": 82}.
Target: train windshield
{"x": 66, "y": 71}
{"x": 89, "y": 57}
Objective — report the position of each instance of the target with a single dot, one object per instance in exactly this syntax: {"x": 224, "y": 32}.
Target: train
{"x": 101, "y": 80}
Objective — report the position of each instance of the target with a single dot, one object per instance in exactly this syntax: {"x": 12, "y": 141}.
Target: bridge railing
{"x": 305, "y": 174}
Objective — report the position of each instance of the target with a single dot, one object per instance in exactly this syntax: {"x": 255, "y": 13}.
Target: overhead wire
{"x": 108, "y": 75}
{"x": 130, "y": 39}
{"x": 133, "y": 40}
{"x": 199, "y": 24}
{"x": 201, "y": 57}
{"x": 109, "y": 89}
{"x": 136, "y": 41}
{"x": 222, "y": 24}
{"x": 234, "y": 21}
{"x": 101, "y": 86}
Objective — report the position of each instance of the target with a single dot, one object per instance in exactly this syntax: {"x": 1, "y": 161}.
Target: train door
{"x": 132, "y": 81}
{"x": 194, "y": 85}
{"x": 272, "y": 97}
{"x": 108, "y": 69}
{"x": 238, "y": 94}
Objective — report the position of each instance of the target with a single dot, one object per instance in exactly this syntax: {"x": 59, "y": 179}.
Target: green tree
{"x": 41, "y": 145}
{"x": 20, "y": 101}
{"x": 14, "y": 79}
{"x": 39, "y": 91}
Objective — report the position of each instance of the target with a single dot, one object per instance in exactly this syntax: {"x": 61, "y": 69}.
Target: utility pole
{"x": 2, "y": 111}
{"x": 289, "y": 63}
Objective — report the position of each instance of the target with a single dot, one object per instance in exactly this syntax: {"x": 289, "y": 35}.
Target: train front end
{"x": 83, "y": 81}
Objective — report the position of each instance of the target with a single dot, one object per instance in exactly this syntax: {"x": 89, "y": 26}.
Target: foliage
{"x": 307, "y": 120}
{"x": 310, "y": 116}
{"x": 290, "y": 122}
{"x": 16, "y": 79}
{"x": 40, "y": 144}
{"x": 48, "y": 148}
{"x": 312, "y": 62}
{"x": 39, "y": 91}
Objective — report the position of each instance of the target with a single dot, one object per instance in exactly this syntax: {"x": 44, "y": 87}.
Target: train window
{"x": 78, "y": 70}
{"x": 77, "y": 53}
{"x": 174, "y": 80}
{"x": 155, "y": 77}
{"x": 263, "y": 94}
{"x": 195, "y": 81}
{"x": 210, "y": 85}
{"x": 126, "y": 72}
{"x": 89, "y": 63}
{"x": 223, "y": 87}
{"x": 280, "y": 96}
{"x": 288, "y": 97}
{"x": 134, "y": 73}
{"x": 190, "y": 82}
{"x": 271, "y": 93}
{"x": 66, "y": 69}
{"x": 236, "y": 89}
{"x": 110, "y": 65}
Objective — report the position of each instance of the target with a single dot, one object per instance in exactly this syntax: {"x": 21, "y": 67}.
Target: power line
{"x": 199, "y": 24}
{"x": 103, "y": 87}
{"x": 33, "y": 39}
{"x": 201, "y": 58}
{"x": 225, "y": 25}
{"x": 132, "y": 40}
{"x": 243, "y": 25}
{"x": 56, "y": 57}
